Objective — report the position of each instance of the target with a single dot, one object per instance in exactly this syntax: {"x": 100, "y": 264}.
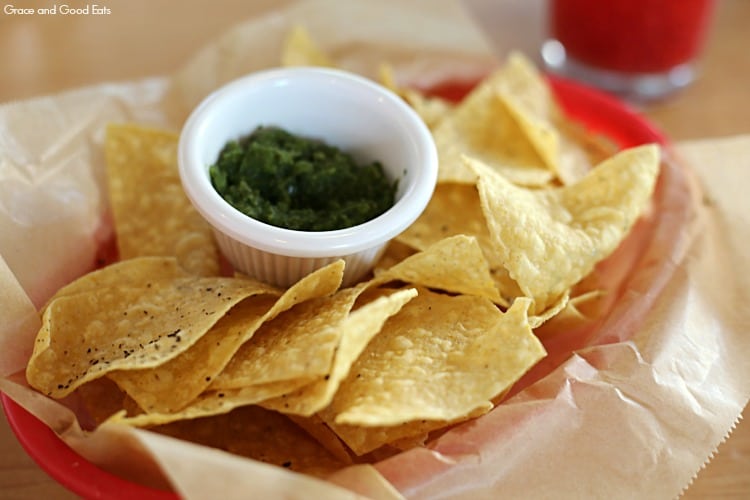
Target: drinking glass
{"x": 640, "y": 49}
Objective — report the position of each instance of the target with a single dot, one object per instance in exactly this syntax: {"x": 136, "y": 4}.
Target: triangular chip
{"x": 300, "y": 50}
{"x": 550, "y": 239}
{"x": 441, "y": 358}
{"x": 152, "y": 214}
{"x": 139, "y": 271}
{"x": 455, "y": 209}
{"x": 361, "y": 440}
{"x": 454, "y": 264}
{"x": 298, "y": 344}
{"x": 483, "y": 127}
{"x": 261, "y": 435}
{"x": 529, "y": 98}
{"x": 431, "y": 109}
{"x": 154, "y": 388}
{"x": 212, "y": 403}
{"x": 86, "y": 335}
{"x": 357, "y": 330}
{"x": 318, "y": 430}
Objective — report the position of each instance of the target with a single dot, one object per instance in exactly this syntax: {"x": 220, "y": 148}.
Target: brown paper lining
{"x": 637, "y": 416}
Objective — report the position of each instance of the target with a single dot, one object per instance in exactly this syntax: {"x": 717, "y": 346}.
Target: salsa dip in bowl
{"x": 338, "y": 110}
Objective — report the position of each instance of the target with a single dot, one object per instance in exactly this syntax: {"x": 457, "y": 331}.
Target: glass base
{"x": 634, "y": 87}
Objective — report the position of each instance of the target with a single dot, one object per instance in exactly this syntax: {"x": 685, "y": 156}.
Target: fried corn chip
{"x": 363, "y": 440}
{"x": 318, "y": 430}
{"x": 431, "y": 109}
{"x": 211, "y": 403}
{"x": 101, "y": 398}
{"x": 455, "y": 209}
{"x": 466, "y": 351}
{"x": 357, "y": 330}
{"x": 139, "y": 271}
{"x": 550, "y": 239}
{"x": 258, "y": 434}
{"x": 87, "y": 335}
{"x": 441, "y": 358}
{"x": 395, "y": 252}
{"x": 154, "y": 389}
{"x": 565, "y": 158}
{"x": 157, "y": 389}
{"x": 537, "y": 320}
{"x": 454, "y": 264}
{"x": 483, "y": 127}
{"x": 220, "y": 401}
{"x": 511, "y": 122}
{"x": 579, "y": 311}
{"x": 152, "y": 214}
{"x": 299, "y": 344}
{"x": 529, "y": 100}
{"x": 300, "y": 50}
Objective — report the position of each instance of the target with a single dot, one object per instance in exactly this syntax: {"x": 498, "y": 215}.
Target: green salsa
{"x": 298, "y": 183}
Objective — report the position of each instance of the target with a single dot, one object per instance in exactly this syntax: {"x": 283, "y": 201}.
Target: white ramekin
{"x": 340, "y": 108}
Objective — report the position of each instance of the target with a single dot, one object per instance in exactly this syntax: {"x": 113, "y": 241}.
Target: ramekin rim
{"x": 314, "y": 244}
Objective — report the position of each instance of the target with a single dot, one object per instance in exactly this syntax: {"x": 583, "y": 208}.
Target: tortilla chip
{"x": 300, "y": 50}
{"x": 319, "y": 431}
{"x": 455, "y": 264}
{"x": 550, "y": 239}
{"x": 100, "y": 398}
{"x": 211, "y": 403}
{"x": 483, "y": 127}
{"x": 455, "y": 209}
{"x": 395, "y": 252}
{"x": 357, "y": 330}
{"x": 363, "y": 440}
{"x": 261, "y": 435}
{"x": 529, "y": 99}
{"x": 86, "y": 335}
{"x": 155, "y": 390}
{"x": 138, "y": 271}
{"x": 298, "y": 344}
{"x": 579, "y": 311}
{"x": 552, "y": 310}
{"x": 152, "y": 214}
{"x": 441, "y": 358}
{"x": 431, "y": 109}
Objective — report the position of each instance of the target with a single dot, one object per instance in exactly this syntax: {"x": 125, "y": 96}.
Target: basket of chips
{"x": 518, "y": 309}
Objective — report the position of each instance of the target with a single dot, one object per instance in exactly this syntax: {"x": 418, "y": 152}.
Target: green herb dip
{"x": 298, "y": 183}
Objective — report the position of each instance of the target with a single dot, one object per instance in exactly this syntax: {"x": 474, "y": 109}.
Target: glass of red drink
{"x": 640, "y": 49}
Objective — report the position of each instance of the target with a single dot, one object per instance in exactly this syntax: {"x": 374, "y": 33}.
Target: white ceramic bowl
{"x": 342, "y": 109}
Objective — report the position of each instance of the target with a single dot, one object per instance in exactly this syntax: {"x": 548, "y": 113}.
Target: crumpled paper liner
{"x": 636, "y": 417}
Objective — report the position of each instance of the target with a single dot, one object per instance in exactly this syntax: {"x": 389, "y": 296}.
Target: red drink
{"x": 616, "y": 44}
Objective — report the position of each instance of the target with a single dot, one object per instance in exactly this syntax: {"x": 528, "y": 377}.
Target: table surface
{"x": 45, "y": 54}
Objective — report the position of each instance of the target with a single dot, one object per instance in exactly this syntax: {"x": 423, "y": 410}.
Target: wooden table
{"x": 45, "y": 54}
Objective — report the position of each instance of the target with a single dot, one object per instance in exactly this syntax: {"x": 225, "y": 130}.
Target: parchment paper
{"x": 637, "y": 417}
